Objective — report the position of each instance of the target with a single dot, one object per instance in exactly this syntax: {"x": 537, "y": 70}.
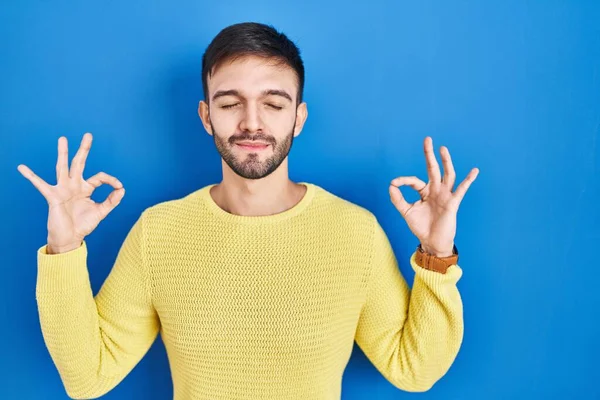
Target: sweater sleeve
{"x": 96, "y": 341}
{"x": 411, "y": 336}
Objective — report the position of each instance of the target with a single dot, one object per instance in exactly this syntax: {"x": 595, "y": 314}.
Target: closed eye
{"x": 229, "y": 105}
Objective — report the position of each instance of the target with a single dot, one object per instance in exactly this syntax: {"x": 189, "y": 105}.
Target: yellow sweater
{"x": 254, "y": 308}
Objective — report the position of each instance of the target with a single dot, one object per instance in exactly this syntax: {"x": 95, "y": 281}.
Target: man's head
{"x": 253, "y": 79}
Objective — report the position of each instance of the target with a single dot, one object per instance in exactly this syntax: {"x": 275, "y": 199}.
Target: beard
{"x": 250, "y": 166}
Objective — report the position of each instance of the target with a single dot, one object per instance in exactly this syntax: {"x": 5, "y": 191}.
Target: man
{"x": 258, "y": 285}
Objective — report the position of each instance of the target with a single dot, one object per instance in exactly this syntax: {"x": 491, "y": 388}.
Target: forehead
{"x": 251, "y": 75}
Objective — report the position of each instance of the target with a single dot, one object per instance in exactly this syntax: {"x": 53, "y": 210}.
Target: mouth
{"x": 252, "y": 146}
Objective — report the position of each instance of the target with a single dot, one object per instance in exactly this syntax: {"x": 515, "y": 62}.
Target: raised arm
{"x": 413, "y": 337}
{"x": 94, "y": 342}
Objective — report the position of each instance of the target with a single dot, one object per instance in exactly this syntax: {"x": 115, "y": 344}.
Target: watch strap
{"x": 433, "y": 263}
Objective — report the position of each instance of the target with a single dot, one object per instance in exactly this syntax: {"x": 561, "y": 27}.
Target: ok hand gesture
{"x": 433, "y": 218}
{"x": 72, "y": 213}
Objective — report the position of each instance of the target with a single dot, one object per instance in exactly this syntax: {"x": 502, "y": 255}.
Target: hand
{"x": 433, "y": 218}
{"x": 72, "y": 213}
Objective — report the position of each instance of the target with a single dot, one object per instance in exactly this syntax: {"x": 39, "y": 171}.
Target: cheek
{"x": 225, "y": 122}
{"x": 281, "y": 119}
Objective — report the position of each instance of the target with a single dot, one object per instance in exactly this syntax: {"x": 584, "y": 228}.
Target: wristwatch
{"x": 433, "y": 263}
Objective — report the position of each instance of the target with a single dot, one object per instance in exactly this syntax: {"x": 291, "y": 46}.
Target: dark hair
{"x": 256, "y": 39}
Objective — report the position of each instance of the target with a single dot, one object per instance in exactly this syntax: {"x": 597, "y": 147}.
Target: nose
{"x": 251, "y": 120}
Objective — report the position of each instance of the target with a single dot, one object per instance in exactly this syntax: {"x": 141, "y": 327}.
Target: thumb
{"x": 113, "y": 200}
{"x": 398, "y": 200}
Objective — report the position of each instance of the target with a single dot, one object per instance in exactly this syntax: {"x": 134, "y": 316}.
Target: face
{"x": 252, "y": 114}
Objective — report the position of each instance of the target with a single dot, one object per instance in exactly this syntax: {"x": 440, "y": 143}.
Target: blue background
{"x": 511, "y": 87}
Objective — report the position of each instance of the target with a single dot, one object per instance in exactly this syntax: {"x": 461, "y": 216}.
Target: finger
{"x": 449, "y": 173}
{"x": 461, "y": 190}
{"x": 38, "y": 182}
{"x": 113, "y": 200}
{"x": 78, "y": 163}
{"x": 411, "y": 181}
{"x": 62, "y": 162}
{"x": 101, "y": 178}
{"x": 433, "y": 168}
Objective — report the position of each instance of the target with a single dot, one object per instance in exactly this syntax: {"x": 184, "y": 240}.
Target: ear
{"x": 204, "y": 114}
{"x": 301, "y": 115}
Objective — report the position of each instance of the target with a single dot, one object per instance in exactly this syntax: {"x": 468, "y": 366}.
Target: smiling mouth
{"x": 252, "y": 147}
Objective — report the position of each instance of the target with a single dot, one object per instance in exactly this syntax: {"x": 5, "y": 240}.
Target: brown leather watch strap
{"x": 433, "y": 263}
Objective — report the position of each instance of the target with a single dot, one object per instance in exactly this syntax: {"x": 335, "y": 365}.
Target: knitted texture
{"x": 264, "y": 307}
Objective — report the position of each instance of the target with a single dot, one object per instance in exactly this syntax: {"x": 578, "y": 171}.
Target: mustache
{"x": 246, "y": 136}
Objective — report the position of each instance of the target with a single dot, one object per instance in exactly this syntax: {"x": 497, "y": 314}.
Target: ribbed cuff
{"x": 62, "y": 272}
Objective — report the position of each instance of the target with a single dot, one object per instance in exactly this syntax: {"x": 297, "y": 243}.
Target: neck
{"x": 270, "y": 195}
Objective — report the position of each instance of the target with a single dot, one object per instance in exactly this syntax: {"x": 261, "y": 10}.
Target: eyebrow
{"x": 268, "y": 92}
